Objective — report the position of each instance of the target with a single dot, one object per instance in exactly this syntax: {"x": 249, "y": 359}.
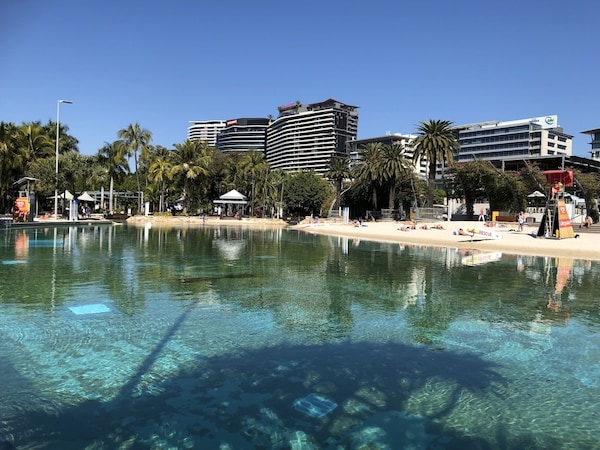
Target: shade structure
{"x": 232, "y": 197}
{"x": 559, "y": 176}
{"x": 66, "y": 195}
{"x": 85, "y": 197}
{"x": 536, "y": 194}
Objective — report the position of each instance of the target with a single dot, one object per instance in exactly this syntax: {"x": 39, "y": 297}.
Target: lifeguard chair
{"x": 25, "y": 204}
{"x": 556, "y": 222}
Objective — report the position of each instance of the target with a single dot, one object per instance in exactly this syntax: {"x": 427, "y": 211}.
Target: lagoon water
{"x": 117, "y": 337}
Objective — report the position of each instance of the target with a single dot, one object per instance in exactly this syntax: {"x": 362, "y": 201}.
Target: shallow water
{"x": 226, "y": 338}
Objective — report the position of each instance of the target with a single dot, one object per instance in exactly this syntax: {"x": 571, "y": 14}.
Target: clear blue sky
{"x": 164, "y": 63}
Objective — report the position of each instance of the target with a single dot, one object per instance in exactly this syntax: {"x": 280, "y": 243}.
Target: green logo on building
{"x": 549, "y": 120}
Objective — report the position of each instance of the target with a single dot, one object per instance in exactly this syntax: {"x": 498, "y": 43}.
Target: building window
{"x": 550, "y": 144}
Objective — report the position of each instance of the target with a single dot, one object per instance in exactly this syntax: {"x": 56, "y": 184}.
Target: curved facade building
{"x": 242, "y": 135}
{"x": 205, "y": 130}
{"x": 306, "y": 137}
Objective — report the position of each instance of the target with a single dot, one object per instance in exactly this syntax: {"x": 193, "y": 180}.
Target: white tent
{"x": 536, "y": 194}
{"x": 85, "y": 197}
{"x": 232, "y": 197}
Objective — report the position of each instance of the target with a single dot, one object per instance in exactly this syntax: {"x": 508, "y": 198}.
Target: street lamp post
{"x": 56, "y": 166}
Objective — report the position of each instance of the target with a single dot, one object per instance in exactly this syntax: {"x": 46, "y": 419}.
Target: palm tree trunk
{"x": 110, "y": 196}
{"x": 392, "y": 197}
{"x": 431, "y": 183}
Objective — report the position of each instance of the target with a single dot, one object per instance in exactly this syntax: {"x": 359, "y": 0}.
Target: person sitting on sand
{"x": 588, "y": 222}
{"x": 438, "y": 227}
{"x": 424, "y": 227}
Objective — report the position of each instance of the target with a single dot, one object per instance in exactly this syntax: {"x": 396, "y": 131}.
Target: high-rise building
{"x": 242, "y": 135}
{"x": 306, "y": 137}
{"x": 525, "y": 138}
{"x": 205, "y": 130}
{"x": 595, "y": 135}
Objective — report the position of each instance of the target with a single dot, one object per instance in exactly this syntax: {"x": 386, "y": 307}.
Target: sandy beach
{"x": 586, "y": 246}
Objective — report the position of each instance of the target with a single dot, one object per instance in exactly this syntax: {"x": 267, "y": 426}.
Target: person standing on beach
{"x": 481, "y": 215}
{"x": 521, "y": 219}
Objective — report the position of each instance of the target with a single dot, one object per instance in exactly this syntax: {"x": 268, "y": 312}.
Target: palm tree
{"x": 114, "y": 157}
{"x": 136, "y": 140}
{"x": 190, "y": 160}
{"x": 159, "y": 171}
{"x": 254, "y": 164}
{"x": 436, "y": 142}
{"x": 393, "y": 165}
{"x": 34, "y": 142}
{"x": 339, "y": 170}
{"x": 368, "y": 171}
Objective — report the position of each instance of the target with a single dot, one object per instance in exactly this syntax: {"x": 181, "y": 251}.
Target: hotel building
{"x": 306, "y": 137}
{"x": 205, "y": 130}
{"x": 526, "y": 138}
{"x": 242, "y": 135}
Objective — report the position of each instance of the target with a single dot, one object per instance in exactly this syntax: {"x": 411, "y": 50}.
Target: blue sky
{"x": 165, "y": 63}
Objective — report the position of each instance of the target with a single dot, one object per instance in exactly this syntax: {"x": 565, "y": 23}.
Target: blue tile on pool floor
{"x": 95, "y": 308}
{"x": 314, "y": 405}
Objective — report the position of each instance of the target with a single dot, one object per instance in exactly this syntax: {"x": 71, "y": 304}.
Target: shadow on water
{"x": 246, "y": 400}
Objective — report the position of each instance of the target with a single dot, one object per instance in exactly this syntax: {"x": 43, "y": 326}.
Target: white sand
{"x": 586, "y": 246}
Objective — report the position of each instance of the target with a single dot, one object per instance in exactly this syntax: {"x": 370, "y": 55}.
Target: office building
{"x": 595, "y": 135}
{"x": 306, "y": 137}
{"x": 242, "y": 135}
{"x": 205, "y": 130}
{"x": 525, "y": 138}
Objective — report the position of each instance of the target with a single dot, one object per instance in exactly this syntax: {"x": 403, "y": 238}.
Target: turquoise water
{"x": 226, "y": 338}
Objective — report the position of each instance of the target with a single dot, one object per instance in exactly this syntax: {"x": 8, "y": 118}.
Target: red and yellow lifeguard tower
{"x": 556, "y": 222}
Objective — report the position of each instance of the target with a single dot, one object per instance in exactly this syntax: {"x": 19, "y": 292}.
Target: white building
{"x": 524, "y": 138}
{"x": 205, "y": 130}
{"x": 306, "y": 137}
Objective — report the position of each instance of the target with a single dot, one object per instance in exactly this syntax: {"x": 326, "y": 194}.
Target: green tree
{"x": 113, "y": 156}
{"x": 159, "y": 172}
{"x": 136, "y": 139}
{"x": 368, "y": 170}
{"x": 190, "y": 161}
{"x": 436, "y": 141}
{"x": 305, "y": 193}
{"x": 254, "y": 165}
{"x": 394, "y": 165}
{"x": 339, "y": 170}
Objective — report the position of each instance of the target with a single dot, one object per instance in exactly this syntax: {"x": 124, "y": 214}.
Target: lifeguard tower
{"x": 25, "y": 206}
{"x": 556, "y": 223}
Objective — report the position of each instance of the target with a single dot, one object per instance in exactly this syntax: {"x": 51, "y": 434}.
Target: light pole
{"x": 56, "y": 166}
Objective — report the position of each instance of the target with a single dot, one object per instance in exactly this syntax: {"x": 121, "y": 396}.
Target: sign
{"x": 565, "y": 227}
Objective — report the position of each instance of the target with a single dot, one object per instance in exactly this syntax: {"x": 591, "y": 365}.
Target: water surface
{"x": 229, "y": 338}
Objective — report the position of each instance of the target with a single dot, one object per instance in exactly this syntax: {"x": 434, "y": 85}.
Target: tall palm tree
{"x": 393, "y": 165}
{"x": 136, "y": 139}
{"x": 114, "y": 157}
{"x": 339, "y": 170}
{"x": 368, "y": 171}
{"x": 159, "y": 172}
{"x": 190, "y": 160}
{"x": 254, "y": 165}
{"x": 34, "y": 142}
{"x": 436, "y": 141}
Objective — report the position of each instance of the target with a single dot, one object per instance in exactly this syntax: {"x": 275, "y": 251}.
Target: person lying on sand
{"x": 462, "y": 232}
